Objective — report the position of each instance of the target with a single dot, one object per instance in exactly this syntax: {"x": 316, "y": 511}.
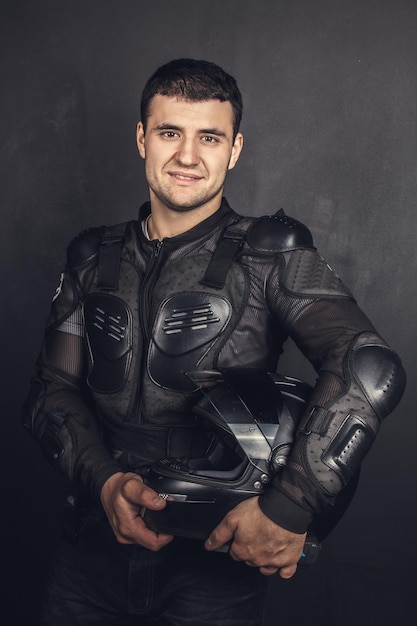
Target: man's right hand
{"x": 123, "y": 495}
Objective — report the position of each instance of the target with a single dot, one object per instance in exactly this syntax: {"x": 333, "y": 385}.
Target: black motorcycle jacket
{"x": 133, "y": 320}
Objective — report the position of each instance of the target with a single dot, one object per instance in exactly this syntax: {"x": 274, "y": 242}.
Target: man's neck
{"x": 164, "y": 222}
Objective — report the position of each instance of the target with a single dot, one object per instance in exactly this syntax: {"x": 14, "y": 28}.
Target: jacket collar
{"x": 221, "y": 216}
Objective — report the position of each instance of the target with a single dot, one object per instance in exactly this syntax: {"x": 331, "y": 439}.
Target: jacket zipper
{"x": 147, "y": 290}
{"x": 145, "y": 298}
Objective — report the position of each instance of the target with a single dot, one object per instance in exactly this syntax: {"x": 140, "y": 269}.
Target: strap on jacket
{"x": 109, "y": 260}
{"x": 230, "y": 242}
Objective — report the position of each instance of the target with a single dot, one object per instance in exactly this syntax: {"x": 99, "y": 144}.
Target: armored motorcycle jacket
{"x": 134, "y": 321}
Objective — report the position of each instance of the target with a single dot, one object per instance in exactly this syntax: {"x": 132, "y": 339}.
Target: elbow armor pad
{"x": 339, "y": 436}
{"x": 379, "y": 373}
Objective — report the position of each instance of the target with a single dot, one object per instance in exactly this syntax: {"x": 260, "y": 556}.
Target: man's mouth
{"x": 182, "y": 177}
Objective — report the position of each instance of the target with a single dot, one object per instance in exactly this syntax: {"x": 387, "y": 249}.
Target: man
{"x": 114, "y": 390}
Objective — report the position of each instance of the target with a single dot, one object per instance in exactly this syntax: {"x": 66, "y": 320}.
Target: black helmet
{"x": 251, "y": 418}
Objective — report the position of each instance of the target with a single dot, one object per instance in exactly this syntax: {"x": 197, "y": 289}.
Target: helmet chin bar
{"x": 251, "y": 417}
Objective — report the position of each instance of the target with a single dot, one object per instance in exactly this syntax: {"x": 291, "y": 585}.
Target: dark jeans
{"x": 98, "y": 581}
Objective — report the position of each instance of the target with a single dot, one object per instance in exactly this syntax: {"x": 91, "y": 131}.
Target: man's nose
{"x": 188, "y": 153}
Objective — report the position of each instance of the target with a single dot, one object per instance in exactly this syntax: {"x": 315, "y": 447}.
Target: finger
{"x": 288, "y": 571}
{"x": 139, "y": 533}
{"x": 150, "y": 539}
{"x": 155, "y": 541}
{"x": 139, "y": 493}
{"x": 152, "y": 500}
{"x": 221, "y": 536}
{"x": 268, "y": 570}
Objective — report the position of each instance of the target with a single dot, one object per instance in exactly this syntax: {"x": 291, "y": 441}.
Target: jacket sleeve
{"x": 360, "y": 381}
{"x": 56, "y": 411}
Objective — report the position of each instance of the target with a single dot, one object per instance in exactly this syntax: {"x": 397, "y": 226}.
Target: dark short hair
{"x": 196, "y": 81}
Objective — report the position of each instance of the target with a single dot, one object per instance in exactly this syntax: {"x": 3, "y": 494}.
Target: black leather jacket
{"x": 132, "y": 318}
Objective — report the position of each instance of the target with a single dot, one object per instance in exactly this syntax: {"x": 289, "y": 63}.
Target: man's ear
{"x": 236, "y": 150}
{"x": 140, "y": 139}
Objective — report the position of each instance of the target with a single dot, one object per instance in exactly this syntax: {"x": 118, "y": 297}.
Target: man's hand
{"x": 122, "y": 496}
{"x": 257, "y": 540}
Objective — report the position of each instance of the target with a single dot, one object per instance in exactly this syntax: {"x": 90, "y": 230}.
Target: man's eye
{"x": 169, "y": 133}
{"x": 209, "y": 139}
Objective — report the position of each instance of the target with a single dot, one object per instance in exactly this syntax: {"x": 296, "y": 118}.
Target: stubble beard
{"x": 199, "y": 199}
{"x": 183, "y": 207}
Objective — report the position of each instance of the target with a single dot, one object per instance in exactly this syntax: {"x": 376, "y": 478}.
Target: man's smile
{"x": 185, "y": 178}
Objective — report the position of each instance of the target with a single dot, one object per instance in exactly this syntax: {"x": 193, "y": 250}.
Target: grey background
{"x": 330, "y": 135}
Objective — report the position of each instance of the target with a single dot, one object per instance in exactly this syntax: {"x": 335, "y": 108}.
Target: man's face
{"x": 188, "y": 148}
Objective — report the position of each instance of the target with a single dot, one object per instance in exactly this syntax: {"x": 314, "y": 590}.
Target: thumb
{"x": 219, "y": 537}
{"x": 138, "y": 493}
{"x": 151, "y": 499}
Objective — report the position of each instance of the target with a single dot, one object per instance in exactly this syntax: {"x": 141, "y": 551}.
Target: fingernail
{"x": 158, "y": 501}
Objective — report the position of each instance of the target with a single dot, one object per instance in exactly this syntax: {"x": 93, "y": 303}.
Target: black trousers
{"x": 97, "y": 581}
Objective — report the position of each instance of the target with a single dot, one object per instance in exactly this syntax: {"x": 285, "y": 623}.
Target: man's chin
{"x": 184, "y": 208}
{"x": 184, "y": 205}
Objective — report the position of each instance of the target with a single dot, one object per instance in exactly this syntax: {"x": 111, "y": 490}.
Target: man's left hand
{"x": 257, "y": 540}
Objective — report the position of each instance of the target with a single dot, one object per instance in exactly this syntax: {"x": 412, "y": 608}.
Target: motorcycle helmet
{"x": 251, "y": 417}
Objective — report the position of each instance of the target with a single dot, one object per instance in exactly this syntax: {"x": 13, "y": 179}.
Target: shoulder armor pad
{"x": 84, "y": 247}
{"x": 278, "y": 233}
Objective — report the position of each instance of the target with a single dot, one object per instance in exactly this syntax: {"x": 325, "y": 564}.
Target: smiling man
{"x": 149, "y": 314}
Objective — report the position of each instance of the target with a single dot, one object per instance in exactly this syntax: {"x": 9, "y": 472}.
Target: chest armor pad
{"x": 191, "y": 321}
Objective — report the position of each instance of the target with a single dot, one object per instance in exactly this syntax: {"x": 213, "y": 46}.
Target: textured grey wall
{"x": 330, "y": 135}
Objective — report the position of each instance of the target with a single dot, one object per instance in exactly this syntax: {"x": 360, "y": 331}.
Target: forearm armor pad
{"x": 337, "y": 437}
